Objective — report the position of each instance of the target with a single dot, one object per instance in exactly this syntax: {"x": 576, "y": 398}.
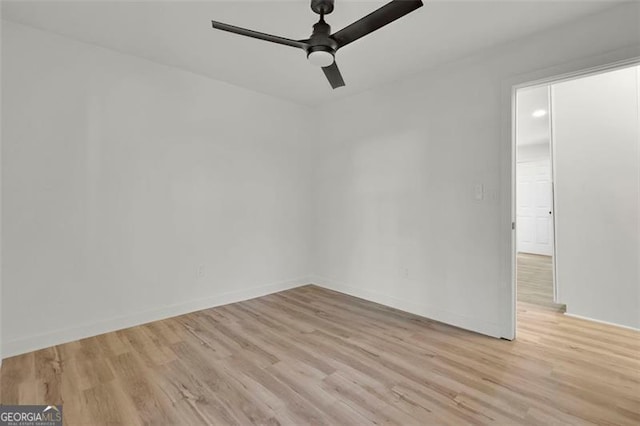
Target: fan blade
{"x": 302, "y": 44}
{"x": 333, "y": 75}
{"x": 375, "y": 20}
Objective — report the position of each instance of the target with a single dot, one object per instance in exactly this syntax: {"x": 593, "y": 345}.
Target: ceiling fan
{"x": 322, "y": 46}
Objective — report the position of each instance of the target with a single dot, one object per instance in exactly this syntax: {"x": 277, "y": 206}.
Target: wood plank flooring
{"x": 313, "y": 356}
{"x": 535, "y": 280}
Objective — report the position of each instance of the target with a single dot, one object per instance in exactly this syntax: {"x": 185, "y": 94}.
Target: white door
{"x": 534, "y": 208}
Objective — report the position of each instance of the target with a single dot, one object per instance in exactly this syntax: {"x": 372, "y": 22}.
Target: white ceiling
{"x": 179, "y": 33}
{"x": 533, "y": 130}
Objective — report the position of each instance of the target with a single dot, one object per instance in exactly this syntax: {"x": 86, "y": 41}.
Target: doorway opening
{"x": 535, "y": 237}
{"x": 576, "y": 195}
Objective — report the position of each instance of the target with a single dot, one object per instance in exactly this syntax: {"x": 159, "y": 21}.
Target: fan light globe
{"x": 320, "y": 58}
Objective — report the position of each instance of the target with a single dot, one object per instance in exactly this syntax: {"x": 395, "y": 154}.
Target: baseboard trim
{"x": 421, "y": 309}
{"x": 58, "y": 337}
{"x": 626, "y": 327}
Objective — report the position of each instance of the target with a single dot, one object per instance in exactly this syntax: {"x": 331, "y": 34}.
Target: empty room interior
{"x": 319, "y": 212}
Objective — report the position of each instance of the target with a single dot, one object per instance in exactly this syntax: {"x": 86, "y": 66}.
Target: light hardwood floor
{"x": 313, "y": 356}
{"x": 535, "y": 280}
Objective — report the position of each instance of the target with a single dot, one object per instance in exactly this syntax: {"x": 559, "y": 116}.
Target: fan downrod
{"x": 322, "y": 7}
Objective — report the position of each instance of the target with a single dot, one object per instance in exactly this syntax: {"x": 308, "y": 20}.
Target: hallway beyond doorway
{"x": 535, "y": 280}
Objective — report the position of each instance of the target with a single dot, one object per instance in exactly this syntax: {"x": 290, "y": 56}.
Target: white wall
{"x": 534, "y": 152}
{"x": 396, "y": 216}
{"x": 596, "y": 153}
{"x": 120, "y": 177}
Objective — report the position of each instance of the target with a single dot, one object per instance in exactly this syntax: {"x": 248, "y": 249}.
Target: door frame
{"x": 617, "y": 59}
{"x": 554, "y": 204}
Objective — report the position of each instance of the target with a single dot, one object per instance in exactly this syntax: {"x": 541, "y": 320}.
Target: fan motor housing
{"x": 321, "y": 40}
{"x": 322, "y": 7}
